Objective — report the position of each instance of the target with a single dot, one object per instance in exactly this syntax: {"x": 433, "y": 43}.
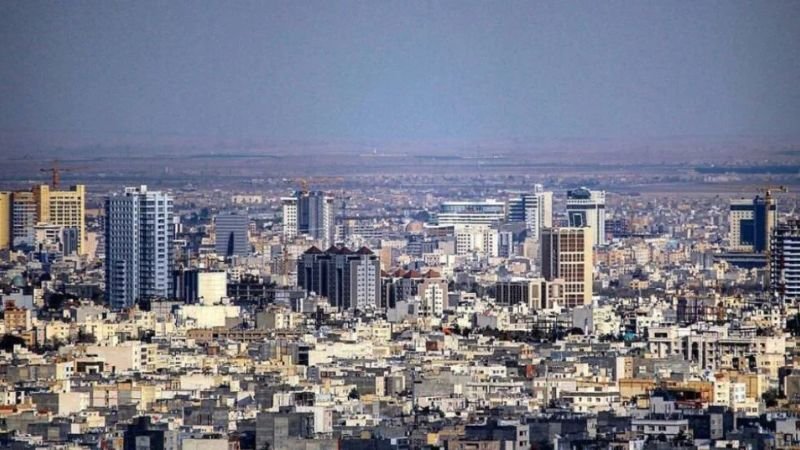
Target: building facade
{"x": 751, "y": 223}
{"x": 24, "y": 216}
{"x": 310, "y": 214}
{"x": 22, "y": 211}
{"x": 480, "y": 239}
{"x": 404, "y": 285}
{"x": 5, "y": 220}
{"x": 231, "y": 235}
{"x": 487, "y": 212}
{"x": 528, "y": 292}
{"x": 534, "y": 209}
{"x": 349, "y": 279}
{"x": 785, "y": 261}
{"x": 587, "y": 208}
{"x": 200, "y": 286}
{"x": 567, "y": 255}
{"x": 139, "y": 254}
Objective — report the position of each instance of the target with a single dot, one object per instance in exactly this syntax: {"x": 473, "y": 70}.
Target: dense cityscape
{"x": 399, "y": 225}
{"x": 321, "y": 316}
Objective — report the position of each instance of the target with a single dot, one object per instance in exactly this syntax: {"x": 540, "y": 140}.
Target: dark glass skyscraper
{"x": 231, "y": 234}
{"x": 751, "y": 224}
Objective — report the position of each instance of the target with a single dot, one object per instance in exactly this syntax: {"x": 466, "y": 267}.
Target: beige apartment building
{"x": 567, "y": 255}
{"x": 21, "y": 211}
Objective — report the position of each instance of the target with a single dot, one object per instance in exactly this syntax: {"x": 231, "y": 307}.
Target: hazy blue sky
{"x": 402, "y": 70}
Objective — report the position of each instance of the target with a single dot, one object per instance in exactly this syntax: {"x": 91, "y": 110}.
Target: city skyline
{"x": 415, "y": 225}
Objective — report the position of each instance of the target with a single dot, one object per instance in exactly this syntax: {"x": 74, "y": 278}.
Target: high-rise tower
{"x": 139, "y": 254}
{"x": 21, "y": 211}
{"x": 310, "y": 214}
{"x": 586, "y": 208}
{"x": 534, "y": 209}
{"x": 567, "y": 255}
{"x": 5, "y": 220}
{"x": 231, "y": 234}
{"x": 751, "y": 223}
{"x": 349, "y": 279}
{"x": 785, "y": 261}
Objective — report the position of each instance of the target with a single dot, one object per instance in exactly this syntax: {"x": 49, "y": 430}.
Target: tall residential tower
{"x": 310, "y": 214}
{"x": 139, "y": 254}
{"x": 349, "y": 279}
{"x": 785, "y": 261}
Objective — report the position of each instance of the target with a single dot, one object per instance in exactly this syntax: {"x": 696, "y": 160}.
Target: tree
{"x": 770, "y": 398}
{"x": 793, "y": 325}
{"x": 680, "y": 438}
{"x": 8, "y": 341}
{"x": 354, "y": 395}
{"x": 86, "y": 338}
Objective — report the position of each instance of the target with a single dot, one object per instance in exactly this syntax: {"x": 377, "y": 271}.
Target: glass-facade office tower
{"x": 231, "y": 235}
{"x": 139, "y": 255}
{"x": 751, "y": 224}
{"x": 534, "y": 209}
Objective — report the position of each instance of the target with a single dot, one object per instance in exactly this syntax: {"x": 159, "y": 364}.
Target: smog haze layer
{"x": 269, "y": 88}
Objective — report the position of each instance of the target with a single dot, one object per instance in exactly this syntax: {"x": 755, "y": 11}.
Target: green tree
{"x": 8, "y": 341}
{"x": 770, "y": 398}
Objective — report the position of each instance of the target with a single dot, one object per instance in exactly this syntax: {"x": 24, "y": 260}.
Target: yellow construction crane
{"x": 768, "y": 190}
{"x": 305, "y": 183}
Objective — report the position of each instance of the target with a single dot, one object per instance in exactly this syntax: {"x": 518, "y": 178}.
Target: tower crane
{"x": 768, "y": 190}
{"x": 305, "y": 183}
{"x": 55, "y": 172}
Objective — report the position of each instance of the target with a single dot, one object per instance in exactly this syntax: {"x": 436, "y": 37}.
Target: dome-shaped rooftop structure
{"x": 19, "y": 281}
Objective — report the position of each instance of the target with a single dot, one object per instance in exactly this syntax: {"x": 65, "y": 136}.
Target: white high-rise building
{"x": 289, "y": 217}
{"x": 310, "y": 214}
{"x": 784, "y": 261}
{"x": 432, "y": 295}
{"x": 139, "y": 255}
{"x": 487, "y": 212}
{"x": 477, "y": 239}
{"x": 535, "y": 209}
{"x": 586, "y": 208}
